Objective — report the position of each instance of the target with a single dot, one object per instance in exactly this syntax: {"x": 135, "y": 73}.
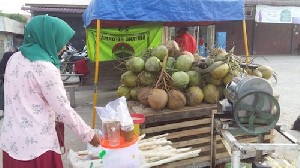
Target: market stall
{"x": 183, "y": 13}
{"x": 188, "y": 126}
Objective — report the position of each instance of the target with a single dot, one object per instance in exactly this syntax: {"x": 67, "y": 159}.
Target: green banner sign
{"x": 123, "y": 42}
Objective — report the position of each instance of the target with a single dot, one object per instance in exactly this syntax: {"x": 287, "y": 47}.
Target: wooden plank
{"x": 153, "y": 116}
{"x": 190, "y": 142}
{"x": 190, "y": 132}
{"x": 177, "y": 125}
{"x": 191, "y": 161}
{"x": 254, "y": 139}
{"x": 193, "y": 142}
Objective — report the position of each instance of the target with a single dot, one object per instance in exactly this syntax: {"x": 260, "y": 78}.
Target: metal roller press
{"x": 250, "y": 102}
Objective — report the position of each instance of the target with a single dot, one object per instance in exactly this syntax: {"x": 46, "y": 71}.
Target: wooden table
{"x": 186, "y": 127}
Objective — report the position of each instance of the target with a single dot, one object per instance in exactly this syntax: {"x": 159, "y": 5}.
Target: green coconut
{"x": 160, "y": 52}
{"x": 147, "y": 78}
{"x": 173, "y": 48}
{"x": 153, "y": 65}
{"x": 123, "y": 91}
{"x": 221, "y": 92}
{"x": 180, "y": 79}
{"x": 136, "y": 64}
{"x": 143, "y": 95}
{"x": 266, "y": 71}
{"x": 134, "y": 93}
{"x": 209, "y": 61}
{"x": 176, "y": 99}
{"x": 157, "y": 99}
{"x": 189, "y": 54}
{"x": 184, "y": 63}
{"x": 194, "y": 78}
{"x": 211, "y": 93}
{"x": 129, "y": 79}
{"x": 194, "y": 96}
{"x": 170, "y": 62}
{"x": 211, "y": 80}
{"x": 220, "y": 72}
{"x": 228, "y": 78}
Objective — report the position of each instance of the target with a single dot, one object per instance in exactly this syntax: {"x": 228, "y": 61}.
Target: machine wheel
{"x": 256, "y": 112}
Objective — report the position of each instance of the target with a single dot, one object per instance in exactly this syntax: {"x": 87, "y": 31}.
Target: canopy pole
{"x": 246, "y": 41}
{"x": 96, "y": 73}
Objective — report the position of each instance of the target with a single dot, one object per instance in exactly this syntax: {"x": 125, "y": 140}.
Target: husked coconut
{"x": 176, "y": 99}
{"x": 173, "y": 48}
{"x": 143, "y": 95}
{"x": 157, "y": 99}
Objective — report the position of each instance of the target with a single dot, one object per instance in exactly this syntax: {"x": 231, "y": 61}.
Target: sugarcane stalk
{"x": 173, "y": 158}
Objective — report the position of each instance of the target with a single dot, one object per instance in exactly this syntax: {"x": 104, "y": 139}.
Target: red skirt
{"x": 49, "y": 159}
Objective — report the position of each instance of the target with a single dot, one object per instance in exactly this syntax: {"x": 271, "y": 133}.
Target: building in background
{"x": 11, "y": 34}
{"x": 266, "y": 36}
{"x": 72, "y": 14}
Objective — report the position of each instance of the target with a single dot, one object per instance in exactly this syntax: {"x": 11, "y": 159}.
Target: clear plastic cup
{"x": 113, "y": 133}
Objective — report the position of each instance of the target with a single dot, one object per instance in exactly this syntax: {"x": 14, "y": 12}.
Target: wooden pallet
{"x": 188, "y": 127}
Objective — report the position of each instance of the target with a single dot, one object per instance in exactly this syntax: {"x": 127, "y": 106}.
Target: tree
{"x": 15, "y": 16}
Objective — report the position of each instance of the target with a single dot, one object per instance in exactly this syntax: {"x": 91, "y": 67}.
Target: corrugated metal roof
{"x": 60, "y": 10}
{"x": 273, "y": 2}
{"x": 56, "y": 5}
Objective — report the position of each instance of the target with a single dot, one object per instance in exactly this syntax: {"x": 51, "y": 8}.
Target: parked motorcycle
{"x": 68, "y": 59}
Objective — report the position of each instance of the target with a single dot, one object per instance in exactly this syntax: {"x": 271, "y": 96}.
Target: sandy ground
{"x": 288, "y": 87}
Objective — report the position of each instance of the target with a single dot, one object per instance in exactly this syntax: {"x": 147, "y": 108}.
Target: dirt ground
{"x": 287, "y": 87}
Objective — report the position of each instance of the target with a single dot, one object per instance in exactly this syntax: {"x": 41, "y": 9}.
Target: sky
{"x": 14, "y": 6}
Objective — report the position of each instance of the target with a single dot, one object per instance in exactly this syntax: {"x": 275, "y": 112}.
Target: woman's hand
{"x": 95, "y": 141}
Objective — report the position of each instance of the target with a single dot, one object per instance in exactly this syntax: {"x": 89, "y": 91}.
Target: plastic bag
{"x": 114, "y": 112}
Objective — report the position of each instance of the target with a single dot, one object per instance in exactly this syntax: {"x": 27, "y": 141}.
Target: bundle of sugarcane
{"x": 157, "y": 151}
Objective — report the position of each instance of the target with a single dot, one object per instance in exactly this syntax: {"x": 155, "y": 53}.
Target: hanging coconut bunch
{"x": 166, "y": 78}
{"x": 163, "y": 77}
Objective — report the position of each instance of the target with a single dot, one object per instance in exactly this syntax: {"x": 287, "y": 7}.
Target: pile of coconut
{"x": 168, "y": 78}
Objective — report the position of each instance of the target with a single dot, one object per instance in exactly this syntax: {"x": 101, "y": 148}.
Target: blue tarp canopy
{"x": 164, "y": 10}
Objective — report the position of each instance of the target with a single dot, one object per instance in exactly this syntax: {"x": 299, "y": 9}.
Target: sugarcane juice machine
{"x": 249, "y": 101}
{"x": 249, "y": 108}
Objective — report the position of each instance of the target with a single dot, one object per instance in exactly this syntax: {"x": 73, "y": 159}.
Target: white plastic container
{"x": 122, "y": 156}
